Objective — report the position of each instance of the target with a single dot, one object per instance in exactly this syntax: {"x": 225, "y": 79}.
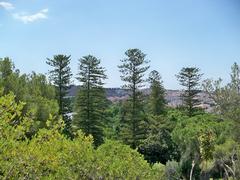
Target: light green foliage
{"x": 188, "y": 131}
{"x": 41, "y": 108}
{"x": 13, "y": 124}
{"x": 48, "y": 155}
{"x": 116, "y": 161}
{"x": 40, "y": 99}
{"x": 174, "y": 116}
{"x": 227, "y": 98}
{"x": 197, "y": 137}
{"x": 114, "y": 156}
{"x": 34, "y": 89}
{"x": 38, "y": 85}
{"x": 11, "y": 80}
{"x": 51, "y": 155}
{"x": 158, "y": 171}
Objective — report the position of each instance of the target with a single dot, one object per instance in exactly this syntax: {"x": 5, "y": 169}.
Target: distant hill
{"x": 172, "y": 96}
{"x": 110, "y": 92}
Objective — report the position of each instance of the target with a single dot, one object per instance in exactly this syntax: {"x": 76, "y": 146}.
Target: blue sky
{"x": 173, "y": 34}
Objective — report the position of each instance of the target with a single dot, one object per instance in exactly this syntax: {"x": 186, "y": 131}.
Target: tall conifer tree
{"x": 190, "y": 79}
{"x": 60, "y": 76}
{"x": 132, "y": 69}
{"x": 91, "y": 99}
{"x": 157, "y": 96}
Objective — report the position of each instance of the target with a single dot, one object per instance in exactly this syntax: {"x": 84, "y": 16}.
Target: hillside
{"x": 172, "y": 96}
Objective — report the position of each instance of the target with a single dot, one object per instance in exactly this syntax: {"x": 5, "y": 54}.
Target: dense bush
{"x": 51, "y": 155}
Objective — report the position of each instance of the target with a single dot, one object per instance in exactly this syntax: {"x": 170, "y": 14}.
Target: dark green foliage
{"x": 132, "y": 133}
{"x": 186, "y": 166}
{"x": 159, "y": 146}
{"x": 91, "y": 100}
{"x": 190, "y": 78}
{"x": 157, "y": 96}
{"x": 111, "y": 125}
{"x": 61, "y": 79}
{"x": 133, "y": 68}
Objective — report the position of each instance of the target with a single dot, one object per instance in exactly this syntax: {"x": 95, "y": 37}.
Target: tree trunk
{"x": 191, "y": 173}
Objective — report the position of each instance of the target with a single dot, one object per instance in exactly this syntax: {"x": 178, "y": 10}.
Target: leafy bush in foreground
{"x": 51, "y": 155}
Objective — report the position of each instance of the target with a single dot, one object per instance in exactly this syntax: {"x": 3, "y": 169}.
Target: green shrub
{"x": 51, "y": 155}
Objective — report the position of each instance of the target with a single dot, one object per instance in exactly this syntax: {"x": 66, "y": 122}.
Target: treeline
{"x": 177, "y": 143}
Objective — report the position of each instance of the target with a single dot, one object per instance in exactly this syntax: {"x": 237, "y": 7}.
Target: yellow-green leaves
{"x": 51, "y": 155}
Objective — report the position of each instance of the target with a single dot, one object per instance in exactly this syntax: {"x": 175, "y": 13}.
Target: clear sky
{"x": 173, "y": 34}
